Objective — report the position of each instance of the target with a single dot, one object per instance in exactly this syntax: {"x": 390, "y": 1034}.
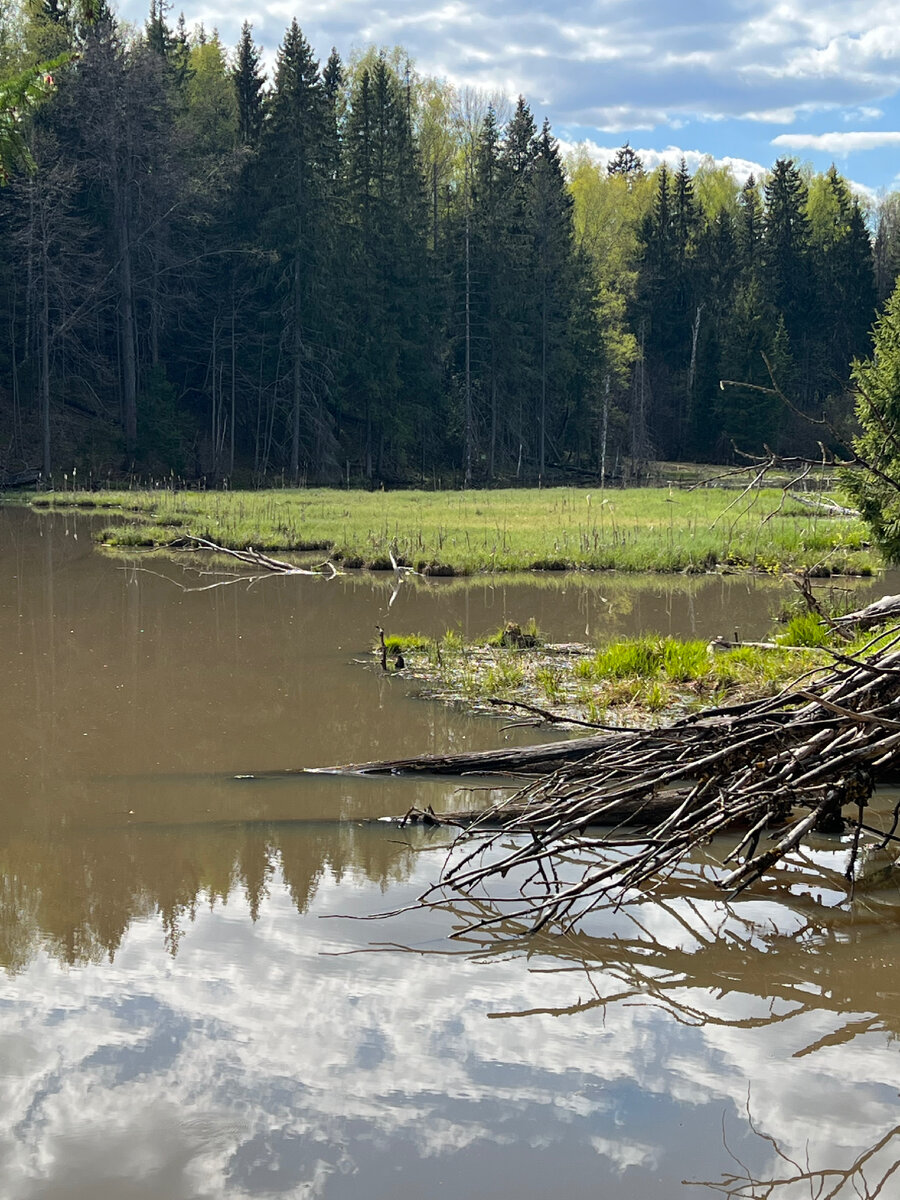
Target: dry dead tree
{"x": 778, "y": 770}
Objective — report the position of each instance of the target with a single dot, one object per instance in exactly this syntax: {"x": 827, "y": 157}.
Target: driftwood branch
{"x": 254, "y": 558}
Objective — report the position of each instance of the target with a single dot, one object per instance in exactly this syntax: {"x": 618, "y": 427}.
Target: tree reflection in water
{"x": 866, "y": 1177}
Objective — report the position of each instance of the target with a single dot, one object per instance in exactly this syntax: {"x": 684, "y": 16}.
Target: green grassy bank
{"x": 639, "y": 529}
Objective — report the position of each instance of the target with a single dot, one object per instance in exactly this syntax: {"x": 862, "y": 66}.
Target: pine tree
{"x": 490, "y": 286}
{"x": 876, "y": 382}
{"x": 786, "y": 246}
{"x": 156, "y": 31}
{"x": 555, "y": 277}
{"x": 844, "y": 275}
{"x": 749, "y": 227}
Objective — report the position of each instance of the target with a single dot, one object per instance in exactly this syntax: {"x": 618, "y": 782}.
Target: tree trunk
{"x": 122, "y": 215}
{"x": 297, "y": 376}
{"x": 46, "y": 465}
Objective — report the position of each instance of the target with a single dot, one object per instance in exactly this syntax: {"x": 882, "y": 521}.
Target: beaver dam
{"x": 620, "y": 810}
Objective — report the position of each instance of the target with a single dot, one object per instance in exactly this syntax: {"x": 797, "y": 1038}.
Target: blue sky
{"x": 749, "y": 80}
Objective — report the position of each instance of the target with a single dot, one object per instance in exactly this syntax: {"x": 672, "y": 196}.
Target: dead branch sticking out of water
{"x": 779, "y": 770}
{"x": 254, "y": 558}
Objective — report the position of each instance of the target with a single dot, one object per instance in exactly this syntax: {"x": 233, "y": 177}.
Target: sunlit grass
{"x": 639, "y": 529}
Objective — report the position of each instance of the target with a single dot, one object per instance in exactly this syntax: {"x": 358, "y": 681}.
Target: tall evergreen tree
{"x": 786, "y": 247}
{"x": 749, "y": 227}
{"x": 297, "y": 228}
{"x": 845, "y": 277}
{"x": 249, "y": 81}
{"x": 392, "y": 371}
{"x": 554, "y": 291}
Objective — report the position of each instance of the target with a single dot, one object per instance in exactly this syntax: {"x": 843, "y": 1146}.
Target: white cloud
{"x": 658, "y": 62}
{"x": 741, "y": 168}
{"x": 772, "y": 116}
{"x": 839, "y": 143}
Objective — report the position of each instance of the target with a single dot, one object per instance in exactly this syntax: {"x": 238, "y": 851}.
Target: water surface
{"x": 177, "y": 1017}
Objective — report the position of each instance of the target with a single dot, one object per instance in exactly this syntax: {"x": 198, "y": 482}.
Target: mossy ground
{"x": 638, "y": 529}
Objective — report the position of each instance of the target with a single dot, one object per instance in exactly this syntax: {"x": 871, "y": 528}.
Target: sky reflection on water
{"x": 273, "y": 1059}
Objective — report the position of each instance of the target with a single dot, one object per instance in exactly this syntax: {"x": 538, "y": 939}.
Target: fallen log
{"x": 252, "y": 558}
{"x": 630, "y": 813}
{"x": 828, "y": 507}
{"x": 879, "y": 612}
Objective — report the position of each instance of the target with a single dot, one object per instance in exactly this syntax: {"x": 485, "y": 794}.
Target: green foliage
{"x": 512, "y": 635}
{"x": 161, "y": 440}
{"x": 407, "y": 642}
{"x": 876, "y": 487}
{"x": 211, "y": 116}
{"x": 19, "y": 96}
{"x": 248, "y": 79}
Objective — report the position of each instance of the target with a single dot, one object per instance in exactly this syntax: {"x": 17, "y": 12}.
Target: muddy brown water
{"x": 177, "y": 1019}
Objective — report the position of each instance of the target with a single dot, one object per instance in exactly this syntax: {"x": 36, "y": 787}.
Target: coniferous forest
{"x": 351, "y": 273}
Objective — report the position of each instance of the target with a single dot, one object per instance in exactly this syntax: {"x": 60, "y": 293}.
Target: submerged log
{"x": 520, "y": 760}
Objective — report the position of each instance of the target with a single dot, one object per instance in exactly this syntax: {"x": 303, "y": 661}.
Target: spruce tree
{"x": 844, "y": 275}
{"x": 392, "y": 369}
{"x": 296, "y": 227}
{"x": 786, "y": 247}
{"x": 249, "y": 81}
{"x": 491, "y": 288}
{"x": 749, "y": 227}
{"x": 626, "y": 162}
{"x": 876, "y": 381}
{"x": 555, "y": 279}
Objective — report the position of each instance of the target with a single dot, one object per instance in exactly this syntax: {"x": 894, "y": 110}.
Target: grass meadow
{"x": 467, "y": 532}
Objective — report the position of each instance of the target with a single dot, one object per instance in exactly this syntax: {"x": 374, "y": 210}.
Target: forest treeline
{"x": 353, "y": 272}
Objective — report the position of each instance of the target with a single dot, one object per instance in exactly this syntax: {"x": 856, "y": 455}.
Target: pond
{"x": 189, "y": 1008}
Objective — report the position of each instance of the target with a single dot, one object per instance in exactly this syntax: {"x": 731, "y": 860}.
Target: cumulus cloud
{"x": 618, "y": 68}
{"x": 839, "y": 143}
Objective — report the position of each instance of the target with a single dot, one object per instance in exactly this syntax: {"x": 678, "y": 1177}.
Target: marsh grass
{"x": 804, "y": 629}
{"x": 630, "y": 680}
{"x": 638, "y": 529}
